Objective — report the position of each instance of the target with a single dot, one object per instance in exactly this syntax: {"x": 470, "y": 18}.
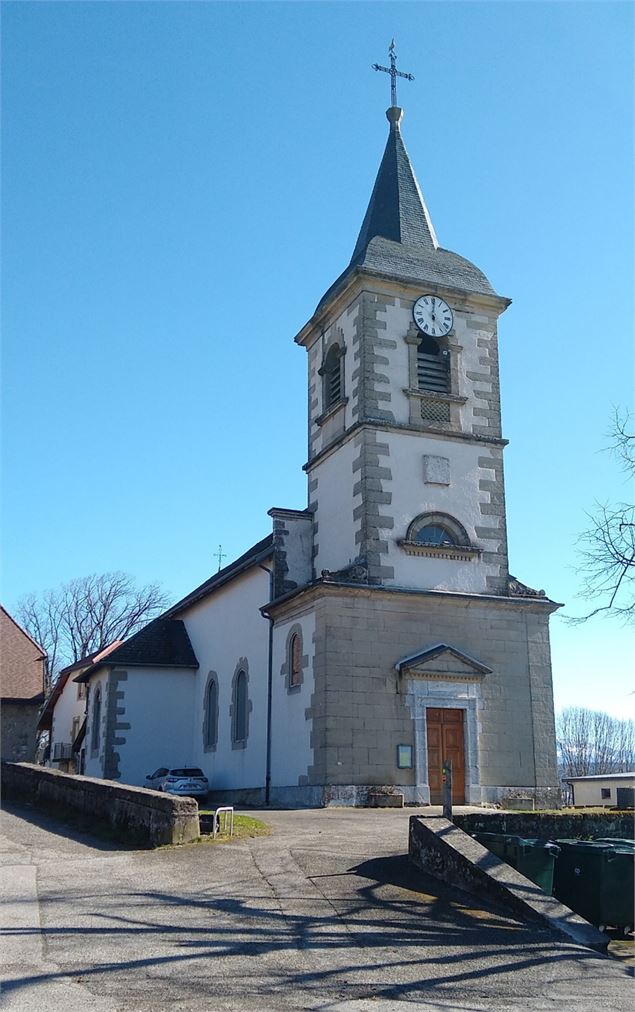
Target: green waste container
{"x": 596, "y": 880}
{"x": 616, "y": 842}
{"x": 532, "y": 858}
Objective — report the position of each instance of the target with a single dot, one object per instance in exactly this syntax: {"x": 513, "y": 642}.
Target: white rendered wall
{"x": 66, "y": 708}
{"x": 297, "y": 545}
{"x": 291, "y": 752}
{"x": 411, "y": 496}
{"x": 158, "y": 704}
{"x": 341, "y": 331}
{"x": 468, "y": 329}
{"x": 94, "y": 764}
{"x": 589, "y": 793}
{"x": 224, "y": 629}
{"x": 335, "y": 536}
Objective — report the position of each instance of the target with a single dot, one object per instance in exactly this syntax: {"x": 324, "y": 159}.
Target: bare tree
{"x": 607, "y": 548}
{"x": 591, "y": 742}
{"x": 86, "y": 614}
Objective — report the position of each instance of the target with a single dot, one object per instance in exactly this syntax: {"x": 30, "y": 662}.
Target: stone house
{"x": 22, "y": 682}
{"x": 377, "y": 632}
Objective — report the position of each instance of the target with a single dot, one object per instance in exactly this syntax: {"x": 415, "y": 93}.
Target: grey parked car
{"x": 186, "y": 781}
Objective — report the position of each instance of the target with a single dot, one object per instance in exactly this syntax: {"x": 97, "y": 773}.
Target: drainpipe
{"x": 269, "y": 691}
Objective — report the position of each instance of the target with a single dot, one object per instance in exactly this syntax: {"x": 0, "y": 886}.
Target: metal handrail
{"x": 223, "y": 816}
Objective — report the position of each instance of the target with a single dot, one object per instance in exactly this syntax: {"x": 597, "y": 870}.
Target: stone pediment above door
{"x": 442, "y": 661}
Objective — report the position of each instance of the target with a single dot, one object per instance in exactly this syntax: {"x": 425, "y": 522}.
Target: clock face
{"x": 433, "y": 316}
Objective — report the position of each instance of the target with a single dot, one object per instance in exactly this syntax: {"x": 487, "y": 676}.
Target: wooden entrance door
{"x": 445, "y": 741}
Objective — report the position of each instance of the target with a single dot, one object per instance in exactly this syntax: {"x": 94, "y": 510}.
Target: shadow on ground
{"x": 376, "y": 934}
{"x": 79, "y": 829}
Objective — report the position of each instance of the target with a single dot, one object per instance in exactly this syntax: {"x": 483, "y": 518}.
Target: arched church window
{"x": 295, "y": 660}
{"x": 437, "y": 529}
{"x": 240, "y": 707}
{"x": 432, "y": 366}
{"x": 435, "y": 534}
{"x": 96, "y": 720}
{"x": 332, "y": 376}
{"x": 210, "y": 721}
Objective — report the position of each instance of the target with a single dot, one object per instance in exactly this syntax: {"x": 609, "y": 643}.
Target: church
{"x": 378, "y": 632}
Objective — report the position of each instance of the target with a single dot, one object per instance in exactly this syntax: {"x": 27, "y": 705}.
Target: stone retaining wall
{"x": 544, "y": 826}
{"x": 440, "y": 849}
{"x": 134, "y": 812}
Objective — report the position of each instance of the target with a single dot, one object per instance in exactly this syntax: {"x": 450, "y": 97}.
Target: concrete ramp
{"x": 441, "y": 849}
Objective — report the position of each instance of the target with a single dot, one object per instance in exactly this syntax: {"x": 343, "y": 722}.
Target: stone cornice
{"x": 414, "y": 430}
{"x": 361, "y": 279}
{"x": 462, "y": 553}
{"x": 435, "y": 395}
{"x": 288, "y": 603}
{"x": 439, "y": 676}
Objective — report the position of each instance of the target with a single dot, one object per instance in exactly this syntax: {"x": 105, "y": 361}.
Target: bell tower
{"x": 424, "y": 648}
{"x": 405, "y": 459}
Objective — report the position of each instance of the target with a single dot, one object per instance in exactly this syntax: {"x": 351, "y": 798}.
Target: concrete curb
{"x": 446, "y": 852}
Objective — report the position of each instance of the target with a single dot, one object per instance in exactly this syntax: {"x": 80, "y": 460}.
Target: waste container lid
{"x": 594, "y": 845}
{"x": 534, "y": 841}
{"x": 616, "y": 842}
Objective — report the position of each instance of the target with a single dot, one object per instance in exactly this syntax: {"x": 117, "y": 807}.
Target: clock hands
{"x": 433, "y": 315}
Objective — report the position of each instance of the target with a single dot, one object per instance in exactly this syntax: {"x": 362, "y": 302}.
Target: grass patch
{"x": 245, "y": 827}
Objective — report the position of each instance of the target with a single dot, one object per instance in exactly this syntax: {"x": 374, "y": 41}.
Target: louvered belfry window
{"x": 432, "y": 367}
{"x": 332, "y": 373}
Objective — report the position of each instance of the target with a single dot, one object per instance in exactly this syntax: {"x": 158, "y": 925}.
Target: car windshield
{"x": 188, "y": 773}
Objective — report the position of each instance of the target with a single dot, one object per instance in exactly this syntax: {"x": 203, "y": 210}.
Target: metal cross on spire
{"x": 394, "y": 73}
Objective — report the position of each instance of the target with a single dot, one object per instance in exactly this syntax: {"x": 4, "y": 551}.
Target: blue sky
{"x": 182, "y": 182}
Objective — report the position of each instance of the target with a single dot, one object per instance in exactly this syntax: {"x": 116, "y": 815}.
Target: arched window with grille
{"x": 332, "y": 377}
{"x": 436, "y": 534}
{"x": 96, "y": 721}
{"x": 432, "y": 366}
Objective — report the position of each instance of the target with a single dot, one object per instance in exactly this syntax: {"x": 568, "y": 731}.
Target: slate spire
{"x": 397, "y": 210}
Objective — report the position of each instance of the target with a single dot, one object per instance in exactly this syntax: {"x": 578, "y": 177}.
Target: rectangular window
{"x": 404, "y": 757}
{"x": 606, "y": 793}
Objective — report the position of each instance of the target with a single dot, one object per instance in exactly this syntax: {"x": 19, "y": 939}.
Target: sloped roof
{"x": 251, "y": 557}
{"x": 46, "y": 717}
{"x": 21, "y": 662}
{"x": 397, "y": 238}
{"x": 397, "y": 209}
{"x": 89, "y": 659}
{"x": 602, "y": 776}
{"x": 163, "y": 643}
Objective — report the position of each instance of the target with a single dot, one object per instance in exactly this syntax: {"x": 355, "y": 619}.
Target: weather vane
{"x": 394, "y": 73}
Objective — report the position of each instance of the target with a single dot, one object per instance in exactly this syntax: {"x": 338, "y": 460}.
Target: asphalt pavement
{"x": 325, "y": 913}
